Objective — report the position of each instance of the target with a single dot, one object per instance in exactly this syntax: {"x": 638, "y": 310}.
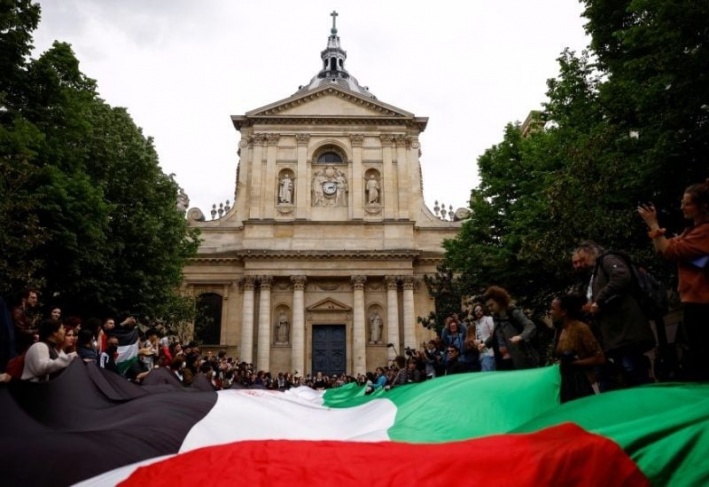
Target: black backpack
{"x": 650, "y": 293}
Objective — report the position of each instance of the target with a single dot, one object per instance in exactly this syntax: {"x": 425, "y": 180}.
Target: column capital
{"x": 392, "y": 282}
{"x": 401, "y": 141}
{"x": 387, "y": 140}
{"x": 302, "y": 139}
{"x": 298, "y": 282}
{"x": 247, "y": 283}
{"x": 410, "y": 282}
{"x": 358, "y": 282}
{"x": 259, "y": 139}
{"x": 272, "y": 139}
{"x": 266, "y": 282}
{"x": 357, "y": 140}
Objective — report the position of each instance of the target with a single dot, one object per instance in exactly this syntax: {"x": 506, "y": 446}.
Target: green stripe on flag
{"x": 664, "y": 428}
{"x": 461, "y": 406}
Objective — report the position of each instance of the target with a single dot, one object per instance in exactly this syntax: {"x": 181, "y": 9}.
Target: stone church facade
{"x": 318, "y": 264}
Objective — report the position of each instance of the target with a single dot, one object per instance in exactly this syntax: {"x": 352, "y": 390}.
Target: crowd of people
{"x": 601, "y": 332}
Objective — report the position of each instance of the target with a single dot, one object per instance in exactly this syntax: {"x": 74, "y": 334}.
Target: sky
{"x": 182, "y": 68}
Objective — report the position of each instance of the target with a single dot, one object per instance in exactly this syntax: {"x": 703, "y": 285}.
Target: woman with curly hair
{"x": 513, "y": 331}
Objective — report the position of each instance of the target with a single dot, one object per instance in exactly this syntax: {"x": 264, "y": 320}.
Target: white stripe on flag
{"x": 240, "y": 415}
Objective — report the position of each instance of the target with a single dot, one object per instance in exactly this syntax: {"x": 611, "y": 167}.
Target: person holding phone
{"x": 690, "y": 250}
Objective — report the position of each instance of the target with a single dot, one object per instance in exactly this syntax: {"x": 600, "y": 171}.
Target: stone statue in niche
{"x": 376, "y": 324}
{"x": 329, "y": 187}
{"x": 282, "y": 329}
{"x": 285, "y": 191}
{"x": 372, "y": 189}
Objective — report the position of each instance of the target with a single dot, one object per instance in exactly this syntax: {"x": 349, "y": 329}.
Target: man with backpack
{"x": 613, "y": 302}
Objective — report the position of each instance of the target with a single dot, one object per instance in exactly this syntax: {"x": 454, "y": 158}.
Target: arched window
{"x": 329, "y": 157}
{"x": 208, "y": 322}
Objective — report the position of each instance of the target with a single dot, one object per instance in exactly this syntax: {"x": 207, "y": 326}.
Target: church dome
{"x": 333, "y": 71}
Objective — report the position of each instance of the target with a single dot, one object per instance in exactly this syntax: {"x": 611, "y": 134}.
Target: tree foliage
{"x": 625, "y": 122}
{"x": 87, "y": 214}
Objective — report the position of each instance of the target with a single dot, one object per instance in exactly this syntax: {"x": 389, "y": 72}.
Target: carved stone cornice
{"x": 298, "y": 282}
{"x": 265, "y": 282}
{"x": 272, "y": 139}
{"x": 302, "y": 139}
{"x": 357, "y": 140}
{"x": 330, "y": 92}
{"x": 387, "y": 140}
{"x": 406, "y": 255}
{"x": 358, "y": 282}
{"x": 392, "y": 282}
{"x": 247, "y": 283}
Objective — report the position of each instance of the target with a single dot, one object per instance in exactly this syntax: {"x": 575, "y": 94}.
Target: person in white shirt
{"x": 46, "y": 358}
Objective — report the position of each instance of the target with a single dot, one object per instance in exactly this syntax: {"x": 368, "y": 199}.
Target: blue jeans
{"x": 487, "y": 363}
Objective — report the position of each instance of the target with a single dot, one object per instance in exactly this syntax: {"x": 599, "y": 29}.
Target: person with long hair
{"x": 513, "y": 331}
{"x": 690, "y": 251}
{"x": 47, "y": 357}
{"x": 575, "y": 348}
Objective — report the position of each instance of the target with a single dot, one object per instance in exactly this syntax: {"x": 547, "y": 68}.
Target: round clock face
{"x": 329, "y": 187}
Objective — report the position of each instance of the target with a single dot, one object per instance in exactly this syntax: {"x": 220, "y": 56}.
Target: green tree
{"x": 87, "y": 213}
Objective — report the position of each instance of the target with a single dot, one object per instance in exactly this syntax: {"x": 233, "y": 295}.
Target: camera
{"x": 409, "y": 351}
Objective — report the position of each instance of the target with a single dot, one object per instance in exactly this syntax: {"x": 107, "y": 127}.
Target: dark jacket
{"x": 622, "y": 323}
{"x": 514, "y": 323}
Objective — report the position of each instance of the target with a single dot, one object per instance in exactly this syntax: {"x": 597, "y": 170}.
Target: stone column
{"x": 392, "y": 283}
{"x": 256, "y": 197}
{"x": 298, "y": 329}
{"x": 302, "y": 181}
{"x": 409, "y": 314}
{"x": 359, "y": 339}
{"x": 416, "y": 193}
{"x": 272, "y": 184}
{"x": 263, "y": 356}
{"x": 390, "y": 177}
{"x": 357, "y": 182}
{"x": 401, "y": 142}
{"x": 247, "y": 320}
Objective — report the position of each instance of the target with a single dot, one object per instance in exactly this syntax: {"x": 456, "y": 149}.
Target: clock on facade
{"x": 329, "y": 187}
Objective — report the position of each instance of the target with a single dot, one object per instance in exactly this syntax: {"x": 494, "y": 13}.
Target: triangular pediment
{"x": 329, "y": 304}
{"x": 329, "y": 101}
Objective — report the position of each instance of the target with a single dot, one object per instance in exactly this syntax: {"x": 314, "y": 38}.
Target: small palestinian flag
{"x": 128, "y": 346}
{"x": 501, "y": 428}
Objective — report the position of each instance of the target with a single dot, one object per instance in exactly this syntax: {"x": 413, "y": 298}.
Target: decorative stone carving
{"x": 183, "y": 201}
{"x": 272, "y": 139}
{"x": 409, "y": 282}
{"x": 302, "y": 139}
{"x": 329, "y": 187}
{"x": 259, "y": 139}
{"x": 265, "y": 282}
{"x": 357, "y": 140}
{"x": 392, "y": 282}
{"x": 387, "y": 140}
{"x": 298, "y": 282}
{"x": 358, "y": 282}
{"x": 401, "y": 141}
{"x": 248, "y": 283}
{"x": 195, "y": 215}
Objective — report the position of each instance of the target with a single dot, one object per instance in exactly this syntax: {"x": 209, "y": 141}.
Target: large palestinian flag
{"x": 501, "y": 428}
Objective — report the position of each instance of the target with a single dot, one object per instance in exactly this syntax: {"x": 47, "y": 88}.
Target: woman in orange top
{"x": 690, "y": 250}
